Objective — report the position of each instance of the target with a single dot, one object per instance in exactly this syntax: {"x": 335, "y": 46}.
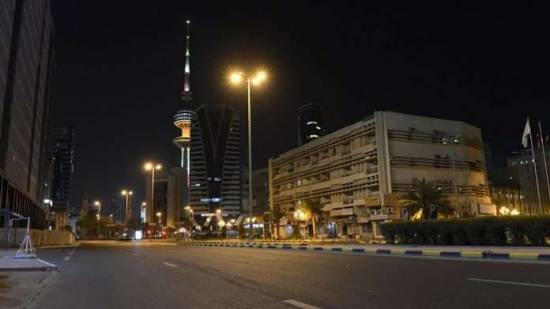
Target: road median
{"x": 481, "y": 253}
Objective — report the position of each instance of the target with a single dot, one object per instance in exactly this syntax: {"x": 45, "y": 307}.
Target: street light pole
{"x": 250, "y": 207}
{"x": 150, "y": 166}
{"x": 236, "y": 78}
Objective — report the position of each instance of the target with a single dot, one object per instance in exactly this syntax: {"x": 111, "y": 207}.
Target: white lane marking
{"x": 170, "y": 264}
{"x": 534, "y": 285}
{"x": 72, "y": 252}
{"x": 134, "y": 254}
{"x": 67, "y": 258}
{"x": 298, "y": 304}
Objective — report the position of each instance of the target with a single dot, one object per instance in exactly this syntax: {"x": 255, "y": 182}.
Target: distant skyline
{"x": 120, "y": 73}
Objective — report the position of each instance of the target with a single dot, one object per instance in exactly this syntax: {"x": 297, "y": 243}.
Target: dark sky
{"x": 120, "y": 71}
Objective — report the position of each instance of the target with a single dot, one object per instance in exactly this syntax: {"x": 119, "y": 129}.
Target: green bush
{"x": 497, "y": 231}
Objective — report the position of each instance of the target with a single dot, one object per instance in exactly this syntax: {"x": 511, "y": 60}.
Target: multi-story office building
{"x": 260, "y": 191}
{"x": 62, "y": 149}
{"x": 215, "y": 162}
{"x": 536, "y": 198}
{"x": 60, "y": 167}
{"x": 169, "y": 196}
{"x": 310, "y": 123}
{"x": 360, "y": 173}
{"x": 26, "y": 61}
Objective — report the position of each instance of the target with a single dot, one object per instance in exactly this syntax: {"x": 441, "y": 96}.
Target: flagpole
{"x": 544, "y": 160}
{"x": 535, "y": 168}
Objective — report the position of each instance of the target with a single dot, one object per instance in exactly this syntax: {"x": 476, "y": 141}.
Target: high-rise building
{"x": 215, "y": 162}
{"x": 260, "y": 191}
{"x": 310, "y": 123}
{"x": 26, "y": 62}
{"x": 359, "y": 174}
{"x": 536, "y": 198}
{"x": 62, "y": 165}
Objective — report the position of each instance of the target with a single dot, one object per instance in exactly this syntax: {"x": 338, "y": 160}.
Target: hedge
{"x": 498, "y": 231}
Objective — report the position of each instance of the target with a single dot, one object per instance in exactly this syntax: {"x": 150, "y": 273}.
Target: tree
{"x": 427, "y": 197}
{"x": 314, "y": 209}
{"x": 277, "y": 213}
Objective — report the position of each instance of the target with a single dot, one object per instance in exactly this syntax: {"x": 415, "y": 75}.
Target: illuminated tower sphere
{"x": 182, "y": 119}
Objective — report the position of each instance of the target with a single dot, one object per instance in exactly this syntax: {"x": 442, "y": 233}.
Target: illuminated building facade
{"x": 215, "y": 161}
{"x": 360, "y": 173}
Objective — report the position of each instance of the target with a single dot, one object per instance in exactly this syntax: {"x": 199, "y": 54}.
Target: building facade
{"x": 62, "y": 150}
{"x": 260, "y": 191}
{"x": 536, "y": 201}
{"x": 26, "y": 66}
{"x": 310, "y": 123}
{"x": 360, "y": 173}
{"x": 215, "y": 162}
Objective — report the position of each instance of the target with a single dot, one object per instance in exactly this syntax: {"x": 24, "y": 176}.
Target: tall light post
{"x": 159, "y": 216}
{"x": 126, "y": 194}
{"x": 152, "y": 167}
{"x": 98, "y": 205}
{"x": 236, "y": 78}
{"x": 98, "y": 216}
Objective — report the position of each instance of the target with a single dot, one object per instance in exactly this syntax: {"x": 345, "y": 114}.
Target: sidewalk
{"x": 475, "y": 252}
{"x": 8, "y": 262}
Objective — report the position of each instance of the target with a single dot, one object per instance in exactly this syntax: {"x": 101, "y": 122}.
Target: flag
{"x": 526, "y": 132}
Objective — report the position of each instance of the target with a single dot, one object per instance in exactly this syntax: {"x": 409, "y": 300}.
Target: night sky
{"x": 120, "y": 71}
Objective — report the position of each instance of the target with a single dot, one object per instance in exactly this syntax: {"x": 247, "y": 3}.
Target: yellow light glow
{"x": 123, "y": 192}
{"x": 131, "y": 192}
{"x": 514, "y": 212}
{"x": 143, "y": 203}
{"x": 504, "y": 211}
{"x": 148, "y": 166}
{"x": 158, "y": 167}
{"x": 218, "y": 211}
{"x": 261, "y": 76}
{"x": 159, "y": 214}
{"x": 97, "y": 203}
{"x": 236, "y": 77}
{"x": 300, "y": 215}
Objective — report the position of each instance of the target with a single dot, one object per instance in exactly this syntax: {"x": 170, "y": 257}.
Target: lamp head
{"x": 259, "y": 78}
{"x": 236, "y": 77}
{"x": 148, "y": 166}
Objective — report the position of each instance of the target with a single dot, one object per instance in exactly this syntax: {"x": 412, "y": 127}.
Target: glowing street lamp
{"x": 126, "y": 194}
{"x": 152, "y": 167}
{"x": 236, "y": 78}
{"x": 98, "y": 205}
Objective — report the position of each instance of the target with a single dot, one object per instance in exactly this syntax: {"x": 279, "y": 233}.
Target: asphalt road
{"x": 152, "y": 275}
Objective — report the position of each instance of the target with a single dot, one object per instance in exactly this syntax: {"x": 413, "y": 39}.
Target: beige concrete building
{"x": 359, "y": 173}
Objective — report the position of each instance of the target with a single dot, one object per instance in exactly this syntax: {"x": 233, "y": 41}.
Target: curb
{"x": 482, "y": 255}
{"x": 58, "y": 247}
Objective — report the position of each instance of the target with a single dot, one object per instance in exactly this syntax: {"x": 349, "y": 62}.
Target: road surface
{"x": 156, "y": 275}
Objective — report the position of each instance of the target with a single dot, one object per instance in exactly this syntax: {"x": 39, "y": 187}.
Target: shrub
{"x": 520, "y": 230}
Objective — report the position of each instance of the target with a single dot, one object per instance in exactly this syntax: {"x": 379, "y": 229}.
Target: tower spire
{"x": 186, "y": 93}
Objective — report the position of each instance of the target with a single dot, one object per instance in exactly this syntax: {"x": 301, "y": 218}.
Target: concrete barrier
{"x": 39, "y": 238}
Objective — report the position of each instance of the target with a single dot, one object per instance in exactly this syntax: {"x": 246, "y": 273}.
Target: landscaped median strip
{"x": 470, "y": 254}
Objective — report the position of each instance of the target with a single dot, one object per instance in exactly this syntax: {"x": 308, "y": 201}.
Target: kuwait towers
{"x": 182, "y": 119}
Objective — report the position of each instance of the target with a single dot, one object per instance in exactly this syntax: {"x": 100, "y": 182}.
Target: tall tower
{"x": 182, "y": 119}
{"x": 310, "y": 123}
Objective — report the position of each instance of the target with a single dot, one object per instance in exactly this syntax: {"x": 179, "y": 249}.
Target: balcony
{"x": 342, "y": 212}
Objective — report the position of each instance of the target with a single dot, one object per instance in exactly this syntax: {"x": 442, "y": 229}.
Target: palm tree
{"x": 429, "y": 198}
{"x": 314, "y": 209}
{"x": 277, "y": 213}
